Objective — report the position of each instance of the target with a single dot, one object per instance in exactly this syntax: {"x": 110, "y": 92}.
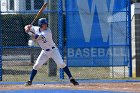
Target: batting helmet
{"x": 42, "y": 21}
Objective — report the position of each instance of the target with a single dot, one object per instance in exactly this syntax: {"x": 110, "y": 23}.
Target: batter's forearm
{"x": 31, "y": 33}
{"x": 36, "y": 37}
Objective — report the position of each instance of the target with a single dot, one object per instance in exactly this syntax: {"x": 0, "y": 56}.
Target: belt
{"x": 49, "y": 49}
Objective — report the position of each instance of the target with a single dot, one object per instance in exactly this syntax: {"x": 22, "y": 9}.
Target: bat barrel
{"x": 39, "y": 13}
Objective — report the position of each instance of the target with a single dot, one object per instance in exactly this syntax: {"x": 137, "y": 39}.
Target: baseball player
{"x": 43, "y": 36}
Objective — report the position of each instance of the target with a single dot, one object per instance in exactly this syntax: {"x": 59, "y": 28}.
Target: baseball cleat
{"x": 28, "y": 83}
{"x": 74, "y": 82}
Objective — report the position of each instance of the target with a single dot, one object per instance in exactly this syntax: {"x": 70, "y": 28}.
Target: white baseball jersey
{"x": 45, "y": 41}
{"x": 44, "y": 38}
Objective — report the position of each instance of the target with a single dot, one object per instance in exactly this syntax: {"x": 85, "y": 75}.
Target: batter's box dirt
{"x": 121, "y": 87}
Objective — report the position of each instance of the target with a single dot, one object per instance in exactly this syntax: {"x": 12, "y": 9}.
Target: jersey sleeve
{"x": 32, "y": 31}
{"x": 36, "y": 36}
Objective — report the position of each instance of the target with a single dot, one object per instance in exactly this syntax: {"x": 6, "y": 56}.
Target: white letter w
{"x": 87, "y": 16}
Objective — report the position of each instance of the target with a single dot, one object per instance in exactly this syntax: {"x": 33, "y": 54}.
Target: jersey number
{"x": 43, "y": 39}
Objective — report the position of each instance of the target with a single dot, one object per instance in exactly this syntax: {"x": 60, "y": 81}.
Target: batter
{"x": 43, "y": 36}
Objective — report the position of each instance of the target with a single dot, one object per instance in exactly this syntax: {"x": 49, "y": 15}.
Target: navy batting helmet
{"x": 42, "y": 21}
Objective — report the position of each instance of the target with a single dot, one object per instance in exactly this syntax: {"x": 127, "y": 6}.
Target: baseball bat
{"x": 39, "y": 12}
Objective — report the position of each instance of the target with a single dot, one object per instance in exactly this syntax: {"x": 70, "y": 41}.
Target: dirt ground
{"x": 121, "y": 87}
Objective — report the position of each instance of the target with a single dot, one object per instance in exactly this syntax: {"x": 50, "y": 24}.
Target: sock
{"x": 67, "y": 71}
{"x": 33, "y": 73}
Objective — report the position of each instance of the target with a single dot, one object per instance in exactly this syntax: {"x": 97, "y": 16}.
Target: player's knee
{"x": 36, "y": 66}
{"x": 61, "y": 65}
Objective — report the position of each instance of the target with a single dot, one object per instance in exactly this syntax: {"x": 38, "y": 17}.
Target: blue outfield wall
{"x": 98, "y": 33}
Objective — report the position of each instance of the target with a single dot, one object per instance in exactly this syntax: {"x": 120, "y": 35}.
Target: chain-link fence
{"x": 17, "y": 56}
{"x": 65, "y": 20}
{"x": 98, "y": 37}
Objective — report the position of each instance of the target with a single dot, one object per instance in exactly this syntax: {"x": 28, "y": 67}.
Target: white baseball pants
{"x": 45, "y": 55}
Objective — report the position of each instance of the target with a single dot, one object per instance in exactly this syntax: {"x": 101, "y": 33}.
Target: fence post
{"x": 61, "y": 34}
{"x": 130, "y": 47}
{"x": 0, "y": 46}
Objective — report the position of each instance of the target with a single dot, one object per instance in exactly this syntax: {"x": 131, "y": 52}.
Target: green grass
{"x": 90, "y": 72}
{"x": 21, "y": 73}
